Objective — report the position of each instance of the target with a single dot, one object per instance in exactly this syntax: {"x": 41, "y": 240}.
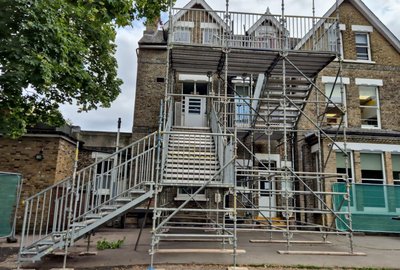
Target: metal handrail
{"x": 95, "y": 186}
{"x": 215, "y": 28}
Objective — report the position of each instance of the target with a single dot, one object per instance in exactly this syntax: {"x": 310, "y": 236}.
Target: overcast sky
{"x": 127, "y": 39}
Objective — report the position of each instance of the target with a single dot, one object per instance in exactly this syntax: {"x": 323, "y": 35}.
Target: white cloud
{"x": 127, "y": 39}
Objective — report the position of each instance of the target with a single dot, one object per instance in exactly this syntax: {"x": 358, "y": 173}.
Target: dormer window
{"x": 182, "y": 35}
{"x": 182, "y": 31}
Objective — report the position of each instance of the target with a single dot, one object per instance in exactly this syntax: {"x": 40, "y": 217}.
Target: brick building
{"x": 369, "y": 75}
{"x": 368, "y": 89}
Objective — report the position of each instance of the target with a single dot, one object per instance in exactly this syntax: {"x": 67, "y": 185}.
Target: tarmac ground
{"x": 381, "y": 252}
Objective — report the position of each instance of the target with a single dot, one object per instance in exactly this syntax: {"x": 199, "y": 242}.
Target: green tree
{"x": 57, "y": 51}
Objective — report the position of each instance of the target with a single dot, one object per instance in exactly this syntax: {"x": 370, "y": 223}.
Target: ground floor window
{"x": 396, "y": 168}
{"x": 372, "y": 168}
{"x": 341, "y": 165}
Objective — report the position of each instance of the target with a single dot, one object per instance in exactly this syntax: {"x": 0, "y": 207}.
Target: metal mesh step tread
{"x": 193, "y": 154}
{"x": 188, "y": 177}
{"x": 178, "y": 160}
{"x": 185, "y": 166}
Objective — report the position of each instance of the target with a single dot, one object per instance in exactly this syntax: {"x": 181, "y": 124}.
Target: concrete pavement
{"x": 381, "y": 252}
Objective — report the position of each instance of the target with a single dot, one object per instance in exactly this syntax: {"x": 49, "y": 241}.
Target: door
{"x": 194, "y": 106}
{"x": 243, "y": 105}
{"x": 267, "y": 199}
{"x": 195, "y": 111}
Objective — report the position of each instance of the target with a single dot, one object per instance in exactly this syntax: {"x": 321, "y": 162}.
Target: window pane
{"x": 369, "y": 117}
{"x": 371, "y": 167}
{"x": 188, "y": 88}
{"x": 368, "y": 95}
{"x": 396, "y": 166}
{"x": 362, "y": 46}
{"x": 335, "y": 95}
{"x": 361, "y": 39}
{"x": 369, "y": 105}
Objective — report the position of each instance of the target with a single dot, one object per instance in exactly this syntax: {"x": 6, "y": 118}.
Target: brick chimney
{"x": 152, "y": 26}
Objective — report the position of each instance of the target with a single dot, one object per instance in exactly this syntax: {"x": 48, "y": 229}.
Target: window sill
{"x": 369, "y": 127}
{"x": 359, "y": 61}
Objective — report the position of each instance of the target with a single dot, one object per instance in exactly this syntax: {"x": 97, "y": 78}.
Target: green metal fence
{"x": 372, "y": 207}
{"x": 10, "y": 189}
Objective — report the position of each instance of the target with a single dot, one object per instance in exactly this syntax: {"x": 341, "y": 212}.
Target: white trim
{"x": 209, "y": 26}
{"x": 362, "y": 28}
{"x": 359, "y": 61}
{"x": 327, "y": 79}
{"x": 184, "y": 24}
{"x": 369, "y": 82}
{"x": 368, "y": 147}
{"x": 193, "y": 77}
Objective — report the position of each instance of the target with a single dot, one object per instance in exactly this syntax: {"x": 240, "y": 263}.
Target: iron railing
{"x": 250, "y": 30}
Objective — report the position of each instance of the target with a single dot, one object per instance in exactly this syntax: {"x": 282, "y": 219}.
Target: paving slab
{"x": 381, "y": 252}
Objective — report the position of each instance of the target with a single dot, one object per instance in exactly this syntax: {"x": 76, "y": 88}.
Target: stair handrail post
{"x": 71, "y": 202}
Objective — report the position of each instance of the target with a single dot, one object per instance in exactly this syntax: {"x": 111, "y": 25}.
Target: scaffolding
{"x": 215, "y": 182}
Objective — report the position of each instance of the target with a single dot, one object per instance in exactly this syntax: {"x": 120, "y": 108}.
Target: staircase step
{"x": 178, "y": 160}
{"x": 190, "y": 171}
{"x": 190, "y": 154}
{"x": 137, "y": 191}
{"x": 108, "y": 208}
{"x": 191, "y": 142}
{"x": 184, "y": 166}
{"x": 83, "y": 223}
{"x": 123, "y": 200}
{"x": 96, "y": 216}
{"x": 191, "y": 177}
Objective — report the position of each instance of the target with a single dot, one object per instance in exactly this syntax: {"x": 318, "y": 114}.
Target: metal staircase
{"x": 272, "y": 109}
{"x": 191, "y": 156}
{"x": 60, "y": 215}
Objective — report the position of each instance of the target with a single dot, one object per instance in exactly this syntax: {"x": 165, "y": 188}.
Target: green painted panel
{"x": 9, "y": 190}
{"x": 372, "y": 207}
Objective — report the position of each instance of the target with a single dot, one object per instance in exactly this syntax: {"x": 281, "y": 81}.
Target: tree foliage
{"x": 56, "y": 51}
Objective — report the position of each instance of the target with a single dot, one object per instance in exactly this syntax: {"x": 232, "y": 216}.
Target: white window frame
{"x": 377, "y": 107}
{"x": 368, "y": 46}
{"x": 384, "y": 180}
{"x": 331, "y": 80}
{"x": 182, "y": 30}
{"x": 343, "y": 102}
{"x": 366, "y": 30}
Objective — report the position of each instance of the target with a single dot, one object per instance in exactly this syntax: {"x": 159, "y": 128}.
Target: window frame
{"x": 367, "y": 45}
{"x": 396, "y": 181}
{"x": 343, "y": 102}
{"x": 377, "y": 107}
{"x": 182, "y": 30}
{"x": 384, "y": 177}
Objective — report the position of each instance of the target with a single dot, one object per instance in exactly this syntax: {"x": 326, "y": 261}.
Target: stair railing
{"x": 166, "y": 131}
{"x": 46, "y": 213}
{"x": 224, "y": 145}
